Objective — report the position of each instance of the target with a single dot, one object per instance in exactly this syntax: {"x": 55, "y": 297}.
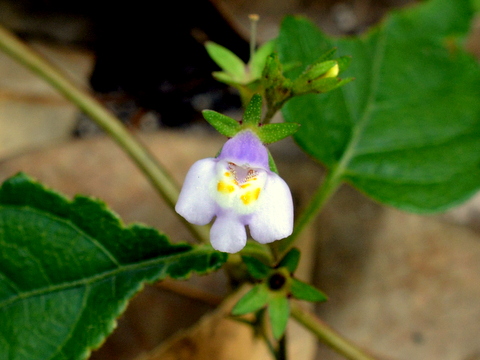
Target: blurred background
{"x": 144, "y": 60}
{"x": 398, "y": 285}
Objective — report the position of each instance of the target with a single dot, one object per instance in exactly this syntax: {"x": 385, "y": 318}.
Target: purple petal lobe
{"x": 245, "y": 148}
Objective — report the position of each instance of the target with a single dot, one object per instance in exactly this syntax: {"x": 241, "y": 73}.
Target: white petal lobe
{"x": 228, "y": 234}
{"x": 273, "y": 219}
{"x": 195, "y": 202}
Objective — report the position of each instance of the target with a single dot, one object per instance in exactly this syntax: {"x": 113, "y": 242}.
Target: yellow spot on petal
{"x": 227, "y": 174}
{"x": 245, "y": 186}
{"x": 250, "y": 196}
{"x": 225, "y": 188}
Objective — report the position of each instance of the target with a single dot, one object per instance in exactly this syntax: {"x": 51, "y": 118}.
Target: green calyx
{"x": 252, "y": 120}
{"x": 234, "y": 71}
{"x": 245, "y": 77}
{"x": 273, "y": 289}
{"x": 319, "y": 77}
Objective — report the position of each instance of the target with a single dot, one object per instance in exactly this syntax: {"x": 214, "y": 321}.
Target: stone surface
{"x": 32, "y": 113}
{"x": 403, "y": 285}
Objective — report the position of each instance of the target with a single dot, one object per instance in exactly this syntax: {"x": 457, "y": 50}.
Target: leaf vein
{"x": 360, "y": 125}
{"x": 143, "y": 266}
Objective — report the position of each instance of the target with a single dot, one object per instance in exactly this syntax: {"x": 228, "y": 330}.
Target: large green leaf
{"x": 68, "y": 269}
{"x": 407, "y": 130}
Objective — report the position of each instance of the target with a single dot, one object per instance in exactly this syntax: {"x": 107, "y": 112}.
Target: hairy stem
{"x": 327, "y": 335}
{"x": 145, "y": 161}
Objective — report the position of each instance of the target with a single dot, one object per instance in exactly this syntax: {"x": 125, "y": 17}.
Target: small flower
{"x": 240, "y": 190}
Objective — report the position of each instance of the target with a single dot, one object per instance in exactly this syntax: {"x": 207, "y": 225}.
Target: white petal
{"x": 273, "y": 218}
{"x": 228, "y": 234}
{"x": 195, "y": 202}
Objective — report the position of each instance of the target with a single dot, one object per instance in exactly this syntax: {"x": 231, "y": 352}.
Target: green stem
{"x": 327, "y": 335}
{"x": 269, "y": 345}
{"x": 282, "y": 348}
{"x": 323, "y": 193}
{"x": 269, "y": 115}
{"x": 155, "y": 173}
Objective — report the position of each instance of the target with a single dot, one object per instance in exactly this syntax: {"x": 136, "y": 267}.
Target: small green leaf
{"x": 271, "y": 163}
{"x": 225, "y": 78}
{"x": 274, "y": 82}
{"x": 253, "y": 112}
{"x": 290, "y": 260}
{"x": 303, "y": 291}
{"x": 252, "y": 301}
{"x": 69, "y": 268}
{"x": 318, "y": 86}
{"x": 227, "y": 60}
{"x": 271, "y": 133}
{"x": 273, "y": 73}
{"x": 223, "y": 124}
{"x": 256, "y": 268}
{"x": 315, "y": 71}
{"x": 291, "y": 66}
{"x": 259, "y": 59}
{"x": 278, "y": 312}
{"x": 277, "y": 88}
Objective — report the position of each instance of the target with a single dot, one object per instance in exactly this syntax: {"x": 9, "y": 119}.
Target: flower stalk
{"x": 327, "y": 335}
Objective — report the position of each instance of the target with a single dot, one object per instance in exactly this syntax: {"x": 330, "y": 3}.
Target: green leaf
{"x": 227, "y": 60}
{"x": 273, "y": 68}
{"x": 68, "y": 269}
{"x": 273, "y": 77}
{"x": 327, "y": 55}
{"x": 225, "y": 78}
{"x": 476, "y": 4}
{"x": 315, "y": 71}
{"x": 253, "y": 112}
{"x": 252, "y": 301}
{"x": 344, "y": 62}
{"x": 321, "y": 85}
{"x": 259, "y": 59}
{"x": 303, "y": 291}
{"x": 223, "y": 124}
{"x": 256, "y": 268}
{"x": 277, "y": 88}
{"x": 290, "y": 260}
{"x": 271, "y": 133}
{"x": 271, "y": 163}
{"x": 407, "y": 130}
{"x": 278, "y": 312}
